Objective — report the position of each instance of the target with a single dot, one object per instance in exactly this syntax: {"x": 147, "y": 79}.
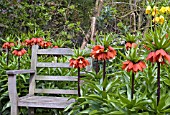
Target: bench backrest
{"x": 35, "y": 64}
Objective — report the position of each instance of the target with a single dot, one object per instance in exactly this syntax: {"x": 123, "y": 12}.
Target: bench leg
{"x": 31, "y": 111}
{"x": 14, "y": 110}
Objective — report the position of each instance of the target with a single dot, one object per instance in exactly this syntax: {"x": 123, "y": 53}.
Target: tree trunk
{"x": 97, "y": 10}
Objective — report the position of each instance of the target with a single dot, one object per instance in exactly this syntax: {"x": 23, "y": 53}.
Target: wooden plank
{"x": 48, "y": 64}
{"x": 57, "y": 78}
{"x": 32, "y": 84}
{"x": 56, "y": 51}
{"x": 45, "y": 102}
{"x": 14, "y": 72}
{"x": 13, "y": 94}
{"x": 56, "y": 91}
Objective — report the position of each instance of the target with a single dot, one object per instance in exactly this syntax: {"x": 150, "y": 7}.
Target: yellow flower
{"x": 156, "y": 20}
{"x": 163, "y": 9}
{"x": 148, "y": 10}
{"x": 155, "y": 11}
{"x": 161, "y": 19}
{"x": 167, "y": 9}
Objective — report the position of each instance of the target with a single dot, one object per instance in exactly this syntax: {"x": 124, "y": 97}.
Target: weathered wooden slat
{"x": 32, "y": 84}
{"x": 59, "y": 65}
{"x": 45, "y": 102}
{"x": 12, "y": 88}
{"x": 56, "y": 91}
{"x": 13, "y": 72}
{"x": 56, "y": 51}
{"x": 57, "y": 78}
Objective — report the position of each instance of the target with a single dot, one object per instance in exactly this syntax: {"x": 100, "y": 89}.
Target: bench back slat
{"x": 32, "y": 84}
{"x": 56, "y": 91}
{"x": 57, "y": 78}
{"x": 55, "y": 65}
{"x": 56, "y": 51}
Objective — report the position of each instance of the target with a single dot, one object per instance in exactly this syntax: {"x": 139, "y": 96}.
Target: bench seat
{"x": 45, "y": 101}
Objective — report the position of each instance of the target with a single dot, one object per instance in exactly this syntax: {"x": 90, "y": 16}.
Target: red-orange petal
{"x": 167, "y": 57}
{"x": 142, "y": 64}
{"x": 161, "y": 52}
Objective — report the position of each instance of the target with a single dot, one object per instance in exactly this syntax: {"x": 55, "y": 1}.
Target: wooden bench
{"x": 31, "y": 100}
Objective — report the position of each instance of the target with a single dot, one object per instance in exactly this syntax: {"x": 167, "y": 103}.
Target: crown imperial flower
{"x": 129, "y": 45}
{"x": 134, "y": 67}
{"x": 158, "y": 56}
{"x": 98, "y": 52}
{"x": 80, "y": 62}
{"x": 7, "y": 45}
{"x": 19, "y": 52}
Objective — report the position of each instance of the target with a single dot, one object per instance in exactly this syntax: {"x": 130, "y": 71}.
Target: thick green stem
{"x": 132, "y": 90}
{"x": 104, "y": 73}
{"x": 158, "y": 83}
{"x": 79, "y": 82}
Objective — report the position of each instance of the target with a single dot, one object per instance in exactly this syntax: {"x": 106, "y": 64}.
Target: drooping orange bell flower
{"x": 98, "y": 52}
{"x": 36, "y": 40}
{"x": 134, "y": 67}
{"x": 19, "y": 52}
{"x": 129, "y": 45}
{"x": 162, "y": 55}
{"x": 80, "y": 62}
{"x": 158, "y": 56}
{"x": 45, "y": 44}
{"x": 7, "y": 45}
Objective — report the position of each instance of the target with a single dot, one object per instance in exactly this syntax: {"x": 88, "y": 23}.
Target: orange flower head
{"x": 129, "y": 45}
{"x": 19, "y": 52}
{"x": 6, "y": 45}
{"x": 80, "y": 62}
{"x": 134, "y": 67}
{"x": 45, "y": 44}
{"x": 96, "y": 51}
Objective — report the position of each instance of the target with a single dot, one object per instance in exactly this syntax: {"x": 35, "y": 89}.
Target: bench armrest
{"x": 12, "y": 88}
{"x": 14, "y": 72}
